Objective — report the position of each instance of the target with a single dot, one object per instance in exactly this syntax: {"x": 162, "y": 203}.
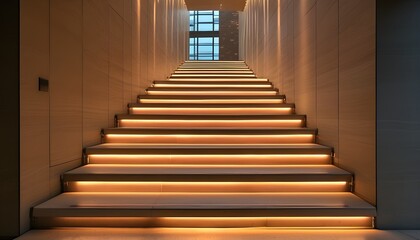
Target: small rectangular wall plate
{"x": 43, "y": 85}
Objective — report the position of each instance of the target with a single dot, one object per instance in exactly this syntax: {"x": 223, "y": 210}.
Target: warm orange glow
{"x": 211, "y": 92}
{"x": 213, "y": 75}
{"x": 209, "y": 139}
{"x": 220, "y": 79}
{"x": 185, "y": 222}
{"x": 197, "y": 187}
{"x": 222, "y": 159}
{"x": 215, "y": 111}
{"x": 214, "y": 85}
{"x": 195, "y": 71}
{"x": 214, "y": 69}
{"x": 211, "y": 101}
{"x": 209, "y": 123}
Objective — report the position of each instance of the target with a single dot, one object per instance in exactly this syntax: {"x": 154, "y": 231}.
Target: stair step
{"x": 206, "y": 178}
{"x": 208, "y": 173}
{"x": 212, "y": 84}
{"x": 205, "y": 89}
{"x": 219, "y": 79}
{"x": 211, "y": 121}
{"x": 209, "y": 136}
{"x": 211, "y": 91}
{"x": 110, "y": 209}
{"x": 185, "y": 75}
{"x": 211, "y": 109}
{"x": 206, "y": 71}
{"x": 223, "y": 154}
{"x": 214, "y": 69}
{"x": 213, "y": 99}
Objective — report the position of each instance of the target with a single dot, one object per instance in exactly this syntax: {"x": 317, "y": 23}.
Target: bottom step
{"x": 204, "y": 210}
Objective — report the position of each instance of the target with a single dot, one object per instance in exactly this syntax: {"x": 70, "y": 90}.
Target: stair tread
{"x": 202, "y": 97}
{"x": 212, "y": 117}
{"x": 211, "y": 131}
{"x": 212, "y": 82}
{"x": 216, "y": 79}
{"x": 210, "y": 89}
{"x": 208, "y": 146}
{"x": 211, "y": 105}
{"x": 199, "y": 204}
{"x": 207, "y": 173}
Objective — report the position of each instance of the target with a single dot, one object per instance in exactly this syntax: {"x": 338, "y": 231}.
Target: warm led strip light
{"x": 214, "y": 75}
{"x": 208, "y": 139}
{"x": 214, "y": 85}
{"x": 108, "y": 186}
{"x": 339, "y": 222}
{"x": 213, "y": 69}
{"x": 223, "y": 159}
{"x": 213, "y": 72}
{"x": 211, "y": 100}
{"x": 209, "y": 123}
{"x": 210, "y": 92}
{"x": 220, "y": 79}
{"x": 200, "y": 111}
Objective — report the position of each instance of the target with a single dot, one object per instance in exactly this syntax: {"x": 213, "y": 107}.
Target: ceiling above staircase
{"x": 222, "y": 5}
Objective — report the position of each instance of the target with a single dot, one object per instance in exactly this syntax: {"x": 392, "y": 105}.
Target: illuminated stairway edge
{"x": 211, "y": 146}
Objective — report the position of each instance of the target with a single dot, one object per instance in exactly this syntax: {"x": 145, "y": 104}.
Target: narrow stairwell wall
{"x": 97, "y": 56}
{"x": 321, "y": 55}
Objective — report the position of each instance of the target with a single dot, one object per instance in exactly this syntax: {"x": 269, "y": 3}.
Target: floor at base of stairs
{"x": 216, "y": 234}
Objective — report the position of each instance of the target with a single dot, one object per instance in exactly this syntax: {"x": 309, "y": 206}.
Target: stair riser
{"x": 215, "y": 85}
{"x": 213, "y": 101}
{"x": 211, "y": 93}
{"x": 210, "y": 124}
{"x": 227, "y": 71}
{"x": 199, "y": 187}
{"x": 219, "y": 222}
{"x": 218, "y": 79}
{"x": 216, "y": 159}
{"x": 210, "y": 139}
{"x": 212, "y": 111}
{"x": 250, "y": 76}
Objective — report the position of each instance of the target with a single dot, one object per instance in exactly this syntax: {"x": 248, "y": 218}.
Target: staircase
{"x": 211, "y": 146}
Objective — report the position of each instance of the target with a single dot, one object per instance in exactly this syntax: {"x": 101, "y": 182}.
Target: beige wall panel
{"x": 287, "y": 49}
{"x": 56, "y": 172}
{"x": 118, "y": 6}
{"x": 128, "y": 11}
{"x": 95, "y": 69}
{"x": 151, "y": 37}
{"x": 116, "y": 63}
{"x": 127, "y": 71}
{"x": 144, "y": 47}
{"x": 135, "y": 45}
{"x": 327, "y": 73}
{"x": 34, "y": 111}
{"x": 66, "y": 80}
{"x": 305, "y": 60}
{"x": 357, "y": 93}
{"x": 272, "y": 48}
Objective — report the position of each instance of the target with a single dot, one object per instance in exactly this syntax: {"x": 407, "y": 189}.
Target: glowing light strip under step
{"x": 221, "y": 101}
{"x": 209, "y": 123}
{"x": 215, "y": 111}
{"x": 219, "y": 79}
{"x": 209, "y": 139}
{"x": 211, "y": 92}
{"x": 222, "y": 159}
{"x": 285, "y": 222}
{"x": 114, "y": 186}
{"x": 213, "y": 85}
{"x": 215, "y": 75}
